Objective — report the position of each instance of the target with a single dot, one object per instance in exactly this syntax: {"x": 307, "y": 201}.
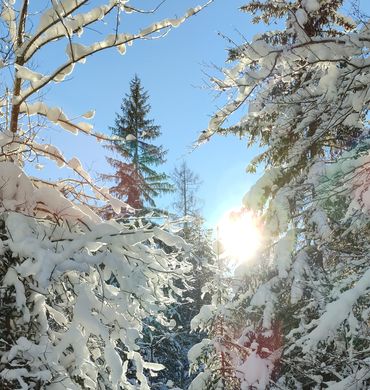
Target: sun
{"x": 239, "y": 235}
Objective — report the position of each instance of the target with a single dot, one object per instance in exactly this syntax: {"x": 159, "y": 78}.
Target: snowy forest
{"x": 103, "y": 287}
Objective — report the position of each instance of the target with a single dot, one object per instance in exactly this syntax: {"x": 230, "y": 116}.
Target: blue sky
{"x": 175, "y": 72}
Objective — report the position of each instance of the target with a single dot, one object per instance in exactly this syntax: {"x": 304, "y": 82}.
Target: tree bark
{"x": 19, "y": 61}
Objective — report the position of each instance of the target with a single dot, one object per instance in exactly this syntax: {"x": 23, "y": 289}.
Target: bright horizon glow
{"x": 239, "y": 235}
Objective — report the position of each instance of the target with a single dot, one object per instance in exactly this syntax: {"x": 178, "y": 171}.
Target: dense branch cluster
{"x": 77, "y": 293}
{"x": 298, "y": 316}
{"x": 74, "y": 290}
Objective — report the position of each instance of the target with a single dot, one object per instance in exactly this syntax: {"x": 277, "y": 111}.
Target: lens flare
{"x": 239, "y": 234}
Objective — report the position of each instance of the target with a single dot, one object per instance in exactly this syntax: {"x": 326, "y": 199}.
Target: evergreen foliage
{"x": 170, "y": 346}
{"x": 137, "y": 180}
{"x": 74, "y": 290}
{"x": 297, "y": 316}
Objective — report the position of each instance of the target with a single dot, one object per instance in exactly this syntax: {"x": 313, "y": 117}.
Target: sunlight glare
{"x": 239, "y": 234}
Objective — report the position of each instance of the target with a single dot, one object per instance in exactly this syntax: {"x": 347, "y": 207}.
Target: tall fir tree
{"x": 136, "y": 179}
{"x": 298, "y": 316}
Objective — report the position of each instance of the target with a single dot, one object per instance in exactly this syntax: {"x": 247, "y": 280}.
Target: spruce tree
{"x": 297, "y": 316}
{"x": 136, "y": 178}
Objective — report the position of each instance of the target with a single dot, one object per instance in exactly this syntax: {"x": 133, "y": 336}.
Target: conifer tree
{"x": 188, "y": 207}
{"x": 64, "y": 324}
{"x": 187, "y": 184}
{"x": 170, "y": 346}
{"x": 137, "y": 180}
{"x": 298, "y": 314}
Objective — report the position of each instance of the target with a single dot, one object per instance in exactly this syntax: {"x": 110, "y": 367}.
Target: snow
{"x": 301, "y": 16}
{"x": 307, "y": 93}
{"x": 317, "y": 172}
{"x": 89, "y": 114}
{"x": 64, "y": 258}
{"x": 62, "y": 73}
{"x": 335, "y": 313}
{"x": 354, "y": 381}
{"x": 79, "y": 289}
{"x": 299, "y": 269}
{"x": 57, "y": 116}
{"x": 69, "y": 249}
{"x": 122, "y": 48}
{"x": 76, "y": 51}
{"x": 280, "y": 211}
{"x": 171, "y": 239}
{"x": 205, "y": 314}
{"x": 117, "y": 205}
{"x": 27, "y": 74}
{"x": 328, "y": 82}
{"x": 53, "y": 200}
{"x": 75, "y": 164}
{"x": 257, "y": 194}
{"x": 283, "y": 253}
{"x": 130, "y": 137}
{"x": 11, "y": 279}
{"x": 255, "y": 372}
{"x": 16, "y": 190}
{"x": 8, "y": 15}
{"x": 311, "y": 5}
{"x": 201, "y": 380}
{"x": 115, "y": 363}
{"x": 16, "y": 374}
{"x": 320, "y": 219}
{"x": 196, "y": 350}
{"x": 264, "y": 297}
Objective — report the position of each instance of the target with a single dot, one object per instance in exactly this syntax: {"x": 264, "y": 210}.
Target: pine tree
{"x": 136, "y": 179}
{"x": 298, "y": 315}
